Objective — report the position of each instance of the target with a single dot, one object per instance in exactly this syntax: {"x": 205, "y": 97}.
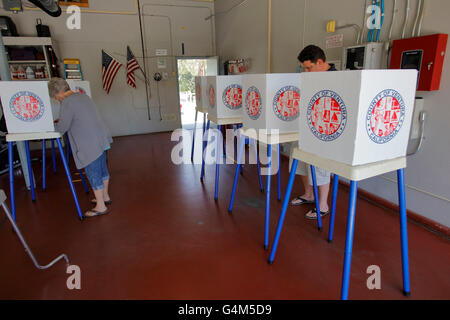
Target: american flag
{"x": 132, "y": 66}
{"x": 110, "y": 67}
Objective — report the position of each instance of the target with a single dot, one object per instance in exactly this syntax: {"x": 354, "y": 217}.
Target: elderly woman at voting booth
{"x": 28, "y": 114}
{"x": 88, "y": 137}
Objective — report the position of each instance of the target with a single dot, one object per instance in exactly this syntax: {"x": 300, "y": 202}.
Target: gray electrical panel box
{"x": 12, "y": 5}
{"x": 361, "y": 57}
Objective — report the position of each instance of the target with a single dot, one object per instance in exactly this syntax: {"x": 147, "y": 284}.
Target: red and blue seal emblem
{"x": 286, "y": 103}
{"x": 385, "y": 116}
{"x": 327, "y": 115}
{"x": 27, "y": 106}
{"x": 198, "y": 92}
{"x": 253, "y": 103}
{"x": 212, "y": 97}
{"x": 232, "y": 97}
{"x": 80, "y": 90}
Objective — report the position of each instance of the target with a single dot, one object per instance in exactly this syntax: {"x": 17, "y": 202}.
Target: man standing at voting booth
{"x": 89, "y": 140}
{"x": 313, "y": 59}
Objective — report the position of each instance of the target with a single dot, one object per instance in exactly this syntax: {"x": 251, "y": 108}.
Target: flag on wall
{"x": 110, "y": 67}
{"x": 132, "y": 66}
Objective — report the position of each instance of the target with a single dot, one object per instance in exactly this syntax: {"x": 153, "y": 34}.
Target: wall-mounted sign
{"x": 161, "y": 52}
{"x": 336, "y": 41}
{"x": 162, "y": 64}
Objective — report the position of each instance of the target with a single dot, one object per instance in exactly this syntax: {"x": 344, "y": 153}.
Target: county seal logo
{"x": 212, "y": 97}
{"x": 232, "y": 97}
{"x": 80, "y": 90}
{"x": 198, "y": 93}
{"x": 253, "y": 103}
{"x": 327, "y": 115}
{"x": 385, "y": 116}
{"x": 26, "y": 106}
{"x": 286, "y": 103}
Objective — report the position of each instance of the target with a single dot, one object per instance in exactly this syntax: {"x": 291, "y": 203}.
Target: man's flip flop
{"x": 299, "y": 201}
{"x": 94, "y": 201}
{"x": 95, "y": 213}
{"x": 322, "y": 214}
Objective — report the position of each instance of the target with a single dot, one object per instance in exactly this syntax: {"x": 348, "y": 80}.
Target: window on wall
{"x": 80, "y": 3}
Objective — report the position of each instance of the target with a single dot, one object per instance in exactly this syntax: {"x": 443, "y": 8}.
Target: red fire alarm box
{"x": 426, "y": 54}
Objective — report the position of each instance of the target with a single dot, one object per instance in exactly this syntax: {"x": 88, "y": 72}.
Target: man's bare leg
{"x": 308, "y": 195}
{"x": 309, "y": 191}
{"x": 323, "y": 197}
{"x": 323, "y": 201}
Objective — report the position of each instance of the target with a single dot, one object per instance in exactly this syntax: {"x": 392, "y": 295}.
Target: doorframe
{"x": 178, "y": 81}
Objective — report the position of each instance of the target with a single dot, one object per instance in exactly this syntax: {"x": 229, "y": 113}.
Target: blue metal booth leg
{"x": 30, "y": 171}
{"x": 11, "y": 178}
{"x": 333, "y": 207}
{"x": 218, "y": 152}
{"x": 316, "y": 197}
{"x": 83, "y": 181}
{"x": 69, "y": 178}
{"x": 268, "y": 187}
{"x": 349, "y": 240}
{"x": 193, "y": 136}
{"x": 224, "y": 143}
{"x": 283, "y": 210}
{"x": 205, "y": 144}
{"x": 204, "y": 125}
{"x": 261, "y": 186}
{"x": 43, "y": 165}
{"x": 241, "y": 168}
{"x": 236, "y": 175}
{"x": 403, "y": 231}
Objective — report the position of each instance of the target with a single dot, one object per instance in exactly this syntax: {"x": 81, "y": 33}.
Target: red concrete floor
{"x": 166, "y": 238}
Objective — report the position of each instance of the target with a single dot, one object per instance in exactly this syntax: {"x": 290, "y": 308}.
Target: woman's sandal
{"x": 95, "y": 213}
{"x": 300, "y": 201}
{"x": 314, "y": 211}
{"x": 94, "y": 201}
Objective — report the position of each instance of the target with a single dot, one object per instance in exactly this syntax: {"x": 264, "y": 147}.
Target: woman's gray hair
{"x": 56, "y": 85}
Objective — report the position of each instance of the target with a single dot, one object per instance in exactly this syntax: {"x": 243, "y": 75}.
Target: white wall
{"x": 297, "y": 23}
{"x": 124, "y": 110}
{"x": 242, "y": 32}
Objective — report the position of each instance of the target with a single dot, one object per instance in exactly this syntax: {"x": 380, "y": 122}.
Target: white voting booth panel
{"x": 271, "y": 101}
{"x": 357, "y": 117}
{"x": 201, "y": 96}
{"x": 224, "y": 96}
{"x": 80, "y": 86}
{"x": 26, "y": 106}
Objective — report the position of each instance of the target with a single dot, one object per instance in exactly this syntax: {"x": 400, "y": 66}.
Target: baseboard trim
{"x": 426, "y": 223}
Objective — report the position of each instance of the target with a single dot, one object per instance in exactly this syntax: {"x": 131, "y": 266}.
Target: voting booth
{"x": 224, "y": 96}
{"x": 28, "y": 114}
{"x": 357, "y": 117}
{"x": 26, "y": 106}
{"x": 271, "y": 101}
{"x": 80, "y": 86}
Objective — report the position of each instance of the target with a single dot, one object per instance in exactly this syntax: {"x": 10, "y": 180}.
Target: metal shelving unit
{"x": 41, "y": 44}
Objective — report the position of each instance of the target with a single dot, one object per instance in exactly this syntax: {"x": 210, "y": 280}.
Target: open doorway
{"x": 187, "y": 70}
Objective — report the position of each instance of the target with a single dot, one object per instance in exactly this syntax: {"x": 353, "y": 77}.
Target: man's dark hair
{"x": 312, "y": 53}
